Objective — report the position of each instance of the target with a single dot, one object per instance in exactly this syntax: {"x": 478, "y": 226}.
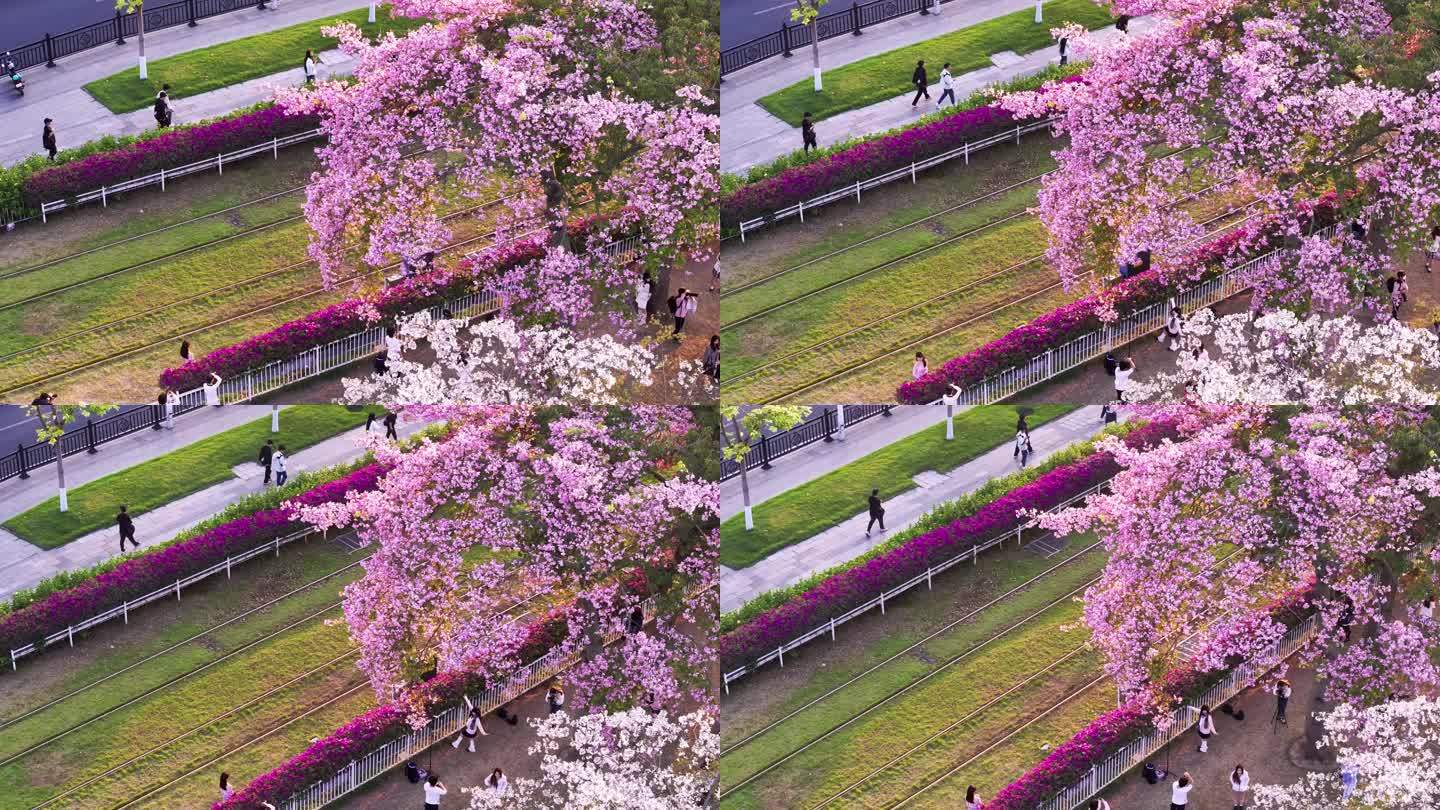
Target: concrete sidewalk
{"x": 56, "y": 92}
{"x": 24, "y": 564}
{"x": 750, "y": 135}
{"x": 848, "y": 540}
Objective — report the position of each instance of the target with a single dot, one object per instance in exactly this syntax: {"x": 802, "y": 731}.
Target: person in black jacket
{"x": 127, "y": 528}
{"x": 47, "y": 138}
{"x": 921, "y": 82}
{"x": 877, "y": 512}
{"x": 267, "y": 455}
{"x": 390, "y": 433}
{"x": 807, "y": 132}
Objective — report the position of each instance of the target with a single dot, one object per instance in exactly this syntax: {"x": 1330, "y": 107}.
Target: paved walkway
{"x": 750, "y": 135}
{"x": 848, "y": 540}
{"x": 56, "y": 92}
{"x": 24, "y": 564}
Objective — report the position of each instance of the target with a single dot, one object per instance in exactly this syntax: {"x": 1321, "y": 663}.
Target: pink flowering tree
{"x": 523, "y": 513}
{"x": 1314, "y": 510}
{"x": 1273, "y": 100}
{"x": 528, "y": 105}
{"x": 614, "y": 761}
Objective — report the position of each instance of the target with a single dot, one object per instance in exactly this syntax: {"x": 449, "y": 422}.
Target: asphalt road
{"x": 25, "y": 21}
{"x": 744, "y": 20}
{"x": 16, "y": 427}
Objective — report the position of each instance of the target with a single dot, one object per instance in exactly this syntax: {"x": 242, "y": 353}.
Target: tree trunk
{"x": 60, "y": 473}
{"x": 815, "y": 52}
{"x": 144, "y": 74}
{"x": 744, "y": 476}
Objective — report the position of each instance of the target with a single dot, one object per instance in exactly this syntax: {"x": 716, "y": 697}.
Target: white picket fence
{"x": 1134, "y": 753}
{"x": 854, "y": 190}
{"x": 972, "y": 555}
{"x": 357, "y": 346}
{"x": 1091, "y": 345}
{"x": 172, "y": 590}
{"x": 160, "y": 178}
{"x": 448, "y": 722}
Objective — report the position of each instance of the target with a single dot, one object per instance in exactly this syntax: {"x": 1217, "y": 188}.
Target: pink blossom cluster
{"x": 148, "y": 572}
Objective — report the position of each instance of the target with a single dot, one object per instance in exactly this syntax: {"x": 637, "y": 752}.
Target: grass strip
{"x": 886, "y": 75}
{"x": 174, "y": 475}
{"x": 204, "y": 69}
{"x": 829, "y": 500}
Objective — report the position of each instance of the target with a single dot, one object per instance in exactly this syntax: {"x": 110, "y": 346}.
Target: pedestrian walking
{"x": 1282, "y": 692}
{"x": 1099, "y": 804}
{"x": 164, "y": 115}
{"x": 1122, "y": 23}
{"x": 807, "y": 133}
{"x": 1180, "y": 791}
{"x": 369, "y": 420}
{"x": 685, "y": 305}
{"x": 1064, "y": 46}
{"x": 1427, "y": 609}
{"x": 1349, "y": 780}
{"x": 185, "y": 350}
{"x": 652, "y": 301}
{"x": 434, "y": 789}
{"x": 311, "y": 60}
{"x": 919, "y": 368}
{"x": 1123, "y": 372}
{"x": 1399, "y": 290}
{"x": 1205, "y": 727}
{"x": 226, "y": 789}
{"x": 47, "y": 138}
{"x": 921, "y": 82}
{"x": 1174, "y": 325}
{"x": 555, "y": 698}
{"x": 1023, "y": 448}
{"x": 497, "y": 782}
{"x": 947, "y": 87}
{"x": 279, "y": 460}
{"x": 714, "y": 277}
{"x": 390, "y": 433}
{"x": 472, "y": 727}
{"x": 972, "y": 799}
{"x": 392, "y": 344}
{"x": 877, "y": 512}
{"x": 711, "y": 361}
{"x": 127, "y": 528}
{"x": 211, "y": 388}
{"x": 267, "y": 455}
{"x": 1432, "y": 250}
{"x": 1239, "y": 785}
{"x": 642, "y": 297}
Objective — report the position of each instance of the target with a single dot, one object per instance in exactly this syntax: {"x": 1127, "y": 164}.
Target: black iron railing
{"x": 837, "y": 23}
{"x": 820, "y": 428}
{"x": 115, "y": 29}
{"x": 88, "y": 439}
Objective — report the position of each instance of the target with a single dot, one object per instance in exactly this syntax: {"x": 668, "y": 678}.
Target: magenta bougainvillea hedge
{"x": 350, "y": 316}
{"x": 149, "y": 572}
{"x": 1064, "y": 324}
{"x": 863, "y": 161}
{"x": 1071, "y": 760}
{"x": 855, "y": 586}
{"x": 178, "y": 147}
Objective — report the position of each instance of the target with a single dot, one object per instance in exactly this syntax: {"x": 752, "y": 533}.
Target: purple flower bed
{"x": 150, "y": 572}
{"x": 847, "y": 589}
{"x": 864, "y": 160}
{"x": 175, "y": 148}
{"x": 329, "y": 755}
{"x": 348, "y": 317}
{"x": 1064, "y": 324}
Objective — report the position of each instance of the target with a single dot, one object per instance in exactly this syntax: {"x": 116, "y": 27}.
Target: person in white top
{"x": 1123, "y": 372}
{"x": 277, "y": 462}
{"x": 642, "y": 296}
{"x": 311, "y": 60}
{"x": 1433, "y": 249}
{"x": 497, "y": 782}
{"x": 226, "y": 789}
{"x": 1174, "y": 325}
{"x": 472, "y": 727}
{"x": 1099, "y": 804}
{"x": 920, "y": 368}
{"x": 972, "y": 799}
{"x": 434, "y": 789}
{"x": 947, "y": 86}
{"x": 1180, "y": 791}
{"x": 1427, "y": 608}
{"x": 212, "y": 390}
{"x": 392, "y": 344}
{"x": 1240, "y": 784}
{"x": 1206, "y": 728}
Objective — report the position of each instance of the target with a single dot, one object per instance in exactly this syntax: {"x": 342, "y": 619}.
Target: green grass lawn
{"x": 815, "y": 506}
{"x": 887, "y": 75}
{"x": 174, "y": 475}
{"x": 204, "y": 69}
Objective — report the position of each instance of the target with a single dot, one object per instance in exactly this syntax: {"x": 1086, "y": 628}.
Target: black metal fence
{"x": 89, "y": 438}
{"x": 117, "y": 28}
{"x": 815, "y": 429}
{"x": 837, "y": 23}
